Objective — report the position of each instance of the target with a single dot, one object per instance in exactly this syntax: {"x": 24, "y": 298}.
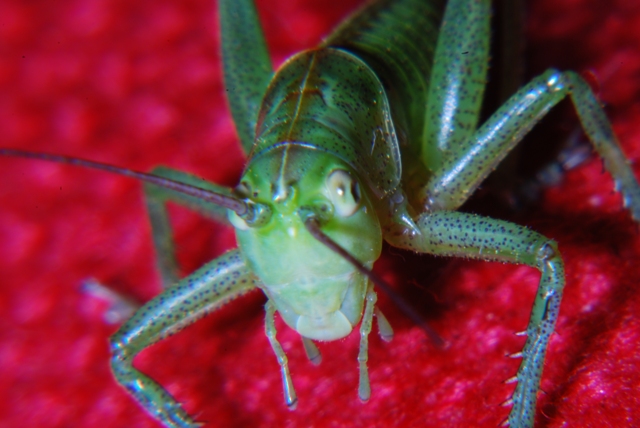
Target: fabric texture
{"x": 138, "y": 84}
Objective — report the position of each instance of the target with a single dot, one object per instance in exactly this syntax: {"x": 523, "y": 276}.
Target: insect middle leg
{"x": 457, "y": 234}
{"x": 204, "y": 291}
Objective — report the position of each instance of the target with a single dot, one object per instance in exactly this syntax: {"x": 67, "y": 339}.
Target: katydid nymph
{"x": 351, "y": 175}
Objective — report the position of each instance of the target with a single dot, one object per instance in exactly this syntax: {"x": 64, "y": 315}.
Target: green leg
{"x": 458, "y": 79}
{"x": 449, "y": 233}
{"x": 247, "y": 65}
{"x": 192, "y": 298}
{"x": 464, "y": 170}
{"x": 156, "y": 199}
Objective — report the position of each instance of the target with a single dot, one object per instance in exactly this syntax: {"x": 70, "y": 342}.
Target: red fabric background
{"x": 138, "y": 84}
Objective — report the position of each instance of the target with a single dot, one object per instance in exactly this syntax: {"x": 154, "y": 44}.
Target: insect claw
{"x": 521, "y": 333}
{"x": 515, "y": 355}
{"x": 505, "y": 422}
{"x": 364, "y": 393}
{"x": 513, "y": 379}
{"x": 292, "y": 406}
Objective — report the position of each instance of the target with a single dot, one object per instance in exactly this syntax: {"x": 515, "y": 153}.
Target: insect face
{"x": 318, "y": 292}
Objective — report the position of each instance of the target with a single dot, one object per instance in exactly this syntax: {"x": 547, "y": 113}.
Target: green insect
{"x": 371, "y": 137}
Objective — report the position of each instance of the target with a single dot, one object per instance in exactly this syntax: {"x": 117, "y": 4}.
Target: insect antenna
{"x": 313, "y": 226}
{"x": 240, "y": 207}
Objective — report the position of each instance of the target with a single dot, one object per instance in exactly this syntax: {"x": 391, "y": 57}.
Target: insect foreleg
{"x": 207, "y": 289}
{"x": 247, "y": 65}
{"x": 458, "y": 79}
{"x": 156, "y": 198}
{"x": 456, "y": 234}
{"x": 462, "y": 171}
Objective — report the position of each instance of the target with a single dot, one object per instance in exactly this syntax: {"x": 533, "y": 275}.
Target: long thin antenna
{"x": 240, "y": 207}
{"x": 312, "y": 225}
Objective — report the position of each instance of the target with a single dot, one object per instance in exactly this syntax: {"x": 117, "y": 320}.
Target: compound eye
{"x": 344, "y": 193}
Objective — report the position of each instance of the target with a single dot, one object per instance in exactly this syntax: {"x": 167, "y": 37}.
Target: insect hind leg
{"x": 464, "y": 169}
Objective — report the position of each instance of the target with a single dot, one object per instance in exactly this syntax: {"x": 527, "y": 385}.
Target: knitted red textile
{"x": 138, "y": 84}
